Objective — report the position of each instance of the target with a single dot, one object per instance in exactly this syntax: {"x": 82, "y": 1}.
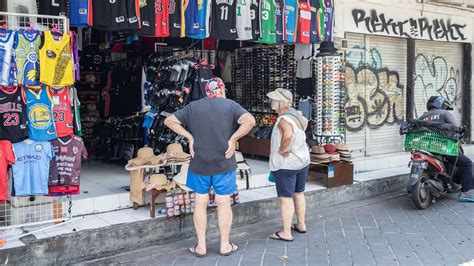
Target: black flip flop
{"x": 194, "y": 252}
{"x": 294, "y": 227}
{"x": 278, "y": 237}
{"x": 234, "y": 249}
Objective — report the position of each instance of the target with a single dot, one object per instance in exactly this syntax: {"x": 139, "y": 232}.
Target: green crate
{"x": 432, "y": 142}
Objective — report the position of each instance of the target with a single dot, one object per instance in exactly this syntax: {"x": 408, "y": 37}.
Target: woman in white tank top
{"x": 289, "y": 162}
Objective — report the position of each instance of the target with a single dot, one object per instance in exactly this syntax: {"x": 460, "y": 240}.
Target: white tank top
{"x": 299, "y": 156}
{"x": 6, "y": 56}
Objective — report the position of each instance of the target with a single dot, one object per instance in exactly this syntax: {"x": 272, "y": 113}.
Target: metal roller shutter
{"x": 375, "y": 83}
{"x": 438, "y": 71}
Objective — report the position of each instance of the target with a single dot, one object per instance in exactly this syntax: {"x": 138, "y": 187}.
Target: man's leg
{"x": 224, "y": 185}
{"x": 200, "y": 221}
{"x": 224, "y": 219}
{"x": 465, "y": 173}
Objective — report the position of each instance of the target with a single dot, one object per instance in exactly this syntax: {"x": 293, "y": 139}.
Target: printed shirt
{"x": 7, "y": 157}
{"x": 65, "y": 169}
{"x": 31, "y": 167}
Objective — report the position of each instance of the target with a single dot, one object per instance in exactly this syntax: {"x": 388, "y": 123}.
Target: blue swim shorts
{"x": 223, "y": 184}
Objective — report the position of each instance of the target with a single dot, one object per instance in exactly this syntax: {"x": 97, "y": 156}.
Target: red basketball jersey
{"x": 162, "y": 18}
{"x": 304, "y": 22}
{"x": 62, "y": 113}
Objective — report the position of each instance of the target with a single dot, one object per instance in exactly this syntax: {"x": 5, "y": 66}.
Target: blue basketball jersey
{"x": 204, "y": 12}
{"x": 280, "y": 5}
{"x": 191, "y": 17}
{"x": 291, "y": 17}
{"x": 31, "y": 167}
{"x": 79, "y": 13}
{"x": 39, "y": 108}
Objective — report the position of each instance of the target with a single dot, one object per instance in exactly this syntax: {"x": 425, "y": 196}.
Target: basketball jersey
{"x": 175, "y": 18}
{"x": 162, "y": 18}
{"x": 191, "y": 17}
{"x": 224, "y": 19}
{"x": 13, "y": 119}
{"x": 147, "y": 18}
{"x": 204, "y": 14}
{"x": 256, "y": 19}
{"x": 77, "y": 114}
{"x": 115, "y": 15}
{"x": 291, "y": 20}
{"x": 39, "y": 109}
{"x": 31, "y": 167}
{"x": 26, "y": 58}
{"x": 56, "y": 60}
{"x": 315, "y": 20}
{"x": 80, "y": 14}
{"x": 280, "y": 5}
{"x": 62, "y": 114}
{"x": 54, "y": 7}
{"x": 6, "y": 57}
{"x": 268, "y": 30}
{"x": 304, "y": 22}
{"x": 244, "y": 19}
{"x": 328, "y": 18}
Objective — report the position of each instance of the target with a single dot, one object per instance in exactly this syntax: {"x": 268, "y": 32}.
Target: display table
{"x": 253, "y": 146}
{"x": 333, "y": 174}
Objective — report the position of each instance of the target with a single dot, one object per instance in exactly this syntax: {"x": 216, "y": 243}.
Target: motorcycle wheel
{"x": 421, "y": 197}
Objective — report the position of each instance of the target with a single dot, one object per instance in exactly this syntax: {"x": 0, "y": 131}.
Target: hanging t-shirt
{"x": 114, "y": 15}
{"x": 291, "y": 20}
{"x": 304, "y": 22}
{"x": 77, "y": 114}
{"x": 315, "y": 14}
{"x": 6, "y": 57}
{"x": 328, "y": 19}
{"x": 268, "y": 30}
{"x": 65, "y": 169}
{"x": 147, "y": 18}
{"x": 175, "y": 18}
{"x": 256, "y": 19}
{"x": 13, "y": 119}
{"x": 31, "y": 167}
{"x": 62, "y": 115}
{"x": 306, "y": 108}
{"x": 162, "y": 18}
{"x": 191, "y": 17}
{"x": 80, "y": 13}
{"x": 6, "y": 158}
{"x": 27, "y": 58}
{"x": 280, "y": 5}
{"x": 54, "y": 7}
{"x": 39, "y": 108}
{"x": 56, "y": 60}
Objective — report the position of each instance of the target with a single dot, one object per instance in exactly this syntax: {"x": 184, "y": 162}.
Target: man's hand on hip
{"x": 231, "y": 150}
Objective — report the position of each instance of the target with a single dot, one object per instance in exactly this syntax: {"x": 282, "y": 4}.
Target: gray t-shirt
{"x": 439, "y": 115}
{"x": 211, "y": 122}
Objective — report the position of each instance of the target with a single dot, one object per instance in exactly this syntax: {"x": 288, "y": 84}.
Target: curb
{"x": 100, "y": 242}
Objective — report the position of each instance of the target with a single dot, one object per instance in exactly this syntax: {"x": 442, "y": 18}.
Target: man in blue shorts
{"x": 214, "y": 125}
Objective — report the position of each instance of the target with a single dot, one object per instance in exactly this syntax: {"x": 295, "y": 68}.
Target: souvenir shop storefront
{"x": 84, "y": 98}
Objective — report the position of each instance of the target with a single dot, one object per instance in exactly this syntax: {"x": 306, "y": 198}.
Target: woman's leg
{"x": 285, "y": 181}
{"x": 300, "y": 201}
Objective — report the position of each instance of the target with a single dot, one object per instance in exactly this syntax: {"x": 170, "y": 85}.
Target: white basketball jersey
{"x": 6, "y": 57}
{"x": 244, "y": 20}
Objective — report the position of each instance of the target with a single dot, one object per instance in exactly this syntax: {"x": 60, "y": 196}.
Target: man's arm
{"x": 173, "y": 123}
{"x": 286, "y": 137}
{"x": 450, "y": 118}
{"x": 246, "y": 122}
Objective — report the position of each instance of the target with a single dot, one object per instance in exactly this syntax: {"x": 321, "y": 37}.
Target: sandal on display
{"x": 234, "y": 249}
{"x": 294, "y": 227}
{"x": 195, "y": 253}
{"x": 276, "y": 236}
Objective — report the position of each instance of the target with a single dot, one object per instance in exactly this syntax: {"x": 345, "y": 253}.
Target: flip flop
{"x": 234, "y": 249}
{"x": 276, "y": 236}
{"x": 194, "y": 252}
{"x": 294, "y": 227}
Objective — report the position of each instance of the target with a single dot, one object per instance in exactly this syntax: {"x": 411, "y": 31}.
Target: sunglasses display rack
{"x": 259, "y": 70}
{"x": 329, "y": 125}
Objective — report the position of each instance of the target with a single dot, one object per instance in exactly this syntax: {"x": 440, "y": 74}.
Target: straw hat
{"x": 159, "y": 182}
{"x": 343, "y": 148}
{"x": 175, "y": 152}
{"x": 145, "y": 156}
{"x": 182, "y": 177}
{"x": 318, "y": 154}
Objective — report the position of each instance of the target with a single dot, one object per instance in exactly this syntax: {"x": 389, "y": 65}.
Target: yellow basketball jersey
{"x": 56, "y": 60}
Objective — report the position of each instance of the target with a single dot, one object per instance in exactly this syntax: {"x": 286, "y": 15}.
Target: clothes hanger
{"x": 55, "y": 30}
{"x": 31, "y": 27}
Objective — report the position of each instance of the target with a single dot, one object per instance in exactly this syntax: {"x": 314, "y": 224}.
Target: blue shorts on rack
{"x": 223, "y": 184}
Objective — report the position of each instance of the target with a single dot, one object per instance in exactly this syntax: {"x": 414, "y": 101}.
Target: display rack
{"x": 35, "y": 210}
{"x": 329, "y": 127}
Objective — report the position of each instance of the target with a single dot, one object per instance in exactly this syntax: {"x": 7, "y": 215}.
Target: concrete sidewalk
{"x": 385, "y": 230}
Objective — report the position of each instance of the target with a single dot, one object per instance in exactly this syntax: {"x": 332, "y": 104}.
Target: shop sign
{"x": 406, "y": 23}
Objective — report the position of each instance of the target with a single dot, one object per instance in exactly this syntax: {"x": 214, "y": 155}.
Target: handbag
{"x": 271, "y": 177}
